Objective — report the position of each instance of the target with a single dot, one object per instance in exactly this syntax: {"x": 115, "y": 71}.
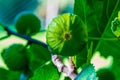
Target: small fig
{"x": 115, "y": 26}
{"x": 66, "y": 35}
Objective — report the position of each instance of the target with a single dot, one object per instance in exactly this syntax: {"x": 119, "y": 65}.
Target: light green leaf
{"x": 46, "y": 72}
{"x": 88, "y": 73}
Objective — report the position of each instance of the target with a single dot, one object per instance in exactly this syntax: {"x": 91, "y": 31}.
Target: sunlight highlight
{"x": 101, "y": 62}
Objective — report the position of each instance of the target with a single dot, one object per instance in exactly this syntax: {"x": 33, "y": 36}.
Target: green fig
{"x": 15, "y": 57}
{"x": 28, "y": 24}
{"x": 115, "y": 27}
{"x": 66, "y": 35}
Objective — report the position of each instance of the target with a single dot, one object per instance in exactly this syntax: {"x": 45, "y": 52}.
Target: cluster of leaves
{"x": 34, "y": 61}
{"x": 25, "y": 59}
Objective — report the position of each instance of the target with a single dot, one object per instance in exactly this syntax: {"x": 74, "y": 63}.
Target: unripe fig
{"x": 66, "y": 35}
{"x": 15, "y": 57}
{"x": 28, "y": 23}
{"x": 115, "y": 26}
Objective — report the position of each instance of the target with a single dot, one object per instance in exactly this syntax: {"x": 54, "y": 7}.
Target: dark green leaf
{"x": 111, "y": 47}
{"x": 3, "y": 74}
{"x": 105, "y": 74}
{"x": 67, "y": 78}
{"x": 98, "y": 15}
{"x": 38, "y": 56}
{"x": 46, "y": 72}
{"x": 13, "y": 75}
{"x": 9, "y": 75}
{"x": 28, "y": 23}
{"x": 95, "y": 14}
{"x": 15, "y": 57}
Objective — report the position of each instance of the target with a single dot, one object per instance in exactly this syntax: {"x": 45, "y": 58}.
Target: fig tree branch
{"x": 29, "y": 39}
{"x": 69, "y": 70}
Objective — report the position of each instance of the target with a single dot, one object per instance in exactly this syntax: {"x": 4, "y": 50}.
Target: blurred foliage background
{"x": 11, "y": 9}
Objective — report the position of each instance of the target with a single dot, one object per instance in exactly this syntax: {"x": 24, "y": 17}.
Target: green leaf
{"x": 15, "y": 57}
{"x": 9, "y": 75}
{"x": 88, "y": 73}
{"x": 3, "y": 74}
{"x": 87, "y": 10}
{"x": 111, "y": 47}
{"x": 40, "y": 63}
{"x": 13, "y": 75}
{"x": 28, "y": 23}
{"x": 105, "y": 74}
{"x": 95, "y": 14}
{"x": 98, "y": 15}
{"x": 46, "y": 72}
{"x": 38, "y": 56}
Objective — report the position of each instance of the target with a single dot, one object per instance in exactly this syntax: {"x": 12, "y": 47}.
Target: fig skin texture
{"x": 15, "y": 57}
{"x": 28, "y": 23}
{"x": 66, "y": 35}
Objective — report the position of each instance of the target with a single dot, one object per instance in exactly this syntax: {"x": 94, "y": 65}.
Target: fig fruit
{"x": 28, "y": 23}
{"x": 15, "y": 57}
{"x": 115, "y": 26}
{"x": 66, "y": 35}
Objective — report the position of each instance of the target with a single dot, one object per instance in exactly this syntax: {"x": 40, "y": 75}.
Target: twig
{"x": 69, "y": 70}
{"x": 25, "y": 37}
